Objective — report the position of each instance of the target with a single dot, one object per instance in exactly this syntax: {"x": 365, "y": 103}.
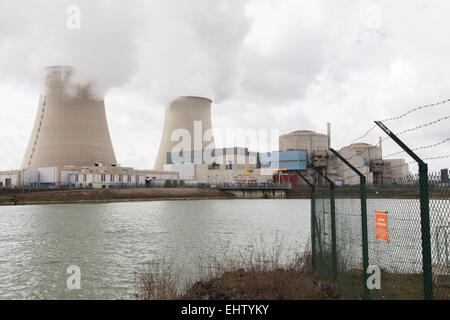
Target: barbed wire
{"x": 401, "y": 116}
{"x": 360, "y": 152}
{"x": 390, "y": 168}
{"x": 364, "y": 135}
{"x": 399, "y": 152}
{"x": 436, "y": 158}
{"x": 402, "y": 133}
{"x": 394, "y": 167}
{"x": 413, "y": 161}
{"x": 418, "y": 127}
{"x": 415, "y": 109}
{"x": 418, "y": 148}
{"x": 355, "y": 175}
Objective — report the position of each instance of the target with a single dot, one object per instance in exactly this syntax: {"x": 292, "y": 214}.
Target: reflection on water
{"x": 110, "y": 241}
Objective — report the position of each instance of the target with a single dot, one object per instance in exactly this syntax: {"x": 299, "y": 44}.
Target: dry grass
{"x": 157, "y": 281}
{"x": 255, "y": 273}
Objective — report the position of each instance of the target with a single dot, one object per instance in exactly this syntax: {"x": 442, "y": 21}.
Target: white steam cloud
{"x": 288, "y": 65}
{"x": 172, "y": 47}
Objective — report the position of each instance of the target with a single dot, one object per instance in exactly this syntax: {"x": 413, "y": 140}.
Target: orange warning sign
{"x": 381, "y": 224}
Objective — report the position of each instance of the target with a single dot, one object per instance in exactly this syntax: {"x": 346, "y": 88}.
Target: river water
{"x": 109, "y": 242}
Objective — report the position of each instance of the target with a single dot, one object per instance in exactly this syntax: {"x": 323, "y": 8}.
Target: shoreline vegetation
{"x": 111, "y": 195}
{"x": 258, "y": 272}
{"x": 253, "y": 273}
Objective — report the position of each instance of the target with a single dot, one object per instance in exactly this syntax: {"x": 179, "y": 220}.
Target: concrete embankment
{"x": 111, "y": 195}
{"x": 298, "y": 193}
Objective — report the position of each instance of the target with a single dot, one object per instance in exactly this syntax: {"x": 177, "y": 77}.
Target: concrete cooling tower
{"x": 183, "y": 113}
{"x": 70, "y": 127}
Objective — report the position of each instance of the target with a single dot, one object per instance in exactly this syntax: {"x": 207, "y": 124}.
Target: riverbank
{"x": 136, "y": 194}
{"x": 258, "y": 272}
{"x": 280, "y": 284}
{"x": 112, "y": 195}
{"x": 158, "y": 194}
{"x": 298, "y": 193}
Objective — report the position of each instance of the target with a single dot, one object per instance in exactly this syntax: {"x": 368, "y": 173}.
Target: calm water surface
{"x": 109, "y": 242}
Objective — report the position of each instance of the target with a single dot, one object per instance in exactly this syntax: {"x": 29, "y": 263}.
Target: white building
{"x": 10, "y": 179}
{"x": 87, "y": 177}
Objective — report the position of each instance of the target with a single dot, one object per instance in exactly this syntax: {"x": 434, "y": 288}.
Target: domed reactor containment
{"x": 70, "y": 127}
{"x": 183, "y": 113}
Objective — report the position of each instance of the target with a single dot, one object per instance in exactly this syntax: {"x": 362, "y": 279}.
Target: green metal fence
{"x": 400, "y": 258}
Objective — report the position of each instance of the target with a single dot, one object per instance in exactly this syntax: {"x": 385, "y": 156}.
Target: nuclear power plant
{"x": 186, "y": 118}
{"x": 70, "y": 145}
{"x": 301, "y": 150}
{"x": 70, "y": 127}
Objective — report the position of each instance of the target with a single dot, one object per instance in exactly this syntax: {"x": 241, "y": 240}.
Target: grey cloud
{"x": 284, "y": 64}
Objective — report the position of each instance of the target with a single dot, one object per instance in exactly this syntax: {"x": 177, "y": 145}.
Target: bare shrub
{"x": 158, "y": 280}
{"x": 258, "y": 271}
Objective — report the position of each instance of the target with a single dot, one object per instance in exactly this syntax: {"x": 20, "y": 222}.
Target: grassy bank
{"x": 270, "y": 273}
{"x": 111, "y": 195}
{"x": 394, "y": 286}
{"x": 251, "y": 274}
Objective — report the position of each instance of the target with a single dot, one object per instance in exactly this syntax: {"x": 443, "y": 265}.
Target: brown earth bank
{"x": 257, "y": 272}
{"x": 298, "y": 193}
{"x": 112, "y": 195}
{"x": 262, "y": 285}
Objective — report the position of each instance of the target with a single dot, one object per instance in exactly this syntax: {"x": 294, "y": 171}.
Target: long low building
{"x": 120, "y": 176}
{"x": 89, "y": 177}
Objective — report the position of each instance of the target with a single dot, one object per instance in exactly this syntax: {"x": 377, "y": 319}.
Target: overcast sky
{"x": 286, "y": 65}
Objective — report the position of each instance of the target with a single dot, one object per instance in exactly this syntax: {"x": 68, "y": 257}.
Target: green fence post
{"x": 313, "y": 220}
{"x": 313, "y": 228}
{"x": 365, "y": 238}
{"x": 424, "y": 214}
{"x": 333, "y": 232}
{"x": 426, "y": 234}
{"x": 333, "y": 224}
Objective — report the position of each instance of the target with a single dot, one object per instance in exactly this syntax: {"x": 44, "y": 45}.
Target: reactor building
{"x": 70, "y": 127}
{"x": 366, "y": 157}
{"x": 187, "y": 127}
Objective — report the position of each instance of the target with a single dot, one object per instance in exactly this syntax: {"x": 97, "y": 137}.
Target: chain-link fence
{"x": 394, "y": 239}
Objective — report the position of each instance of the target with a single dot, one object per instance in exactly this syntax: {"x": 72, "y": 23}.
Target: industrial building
{"x": 86, "y": 177}
{"x": 235, "y": 165}
{"x": 444, "y": 176}
{"x": 289, "y": 160}
{"x": 300, "y": 150}
{"x": 10, "y": 179}
{"x": 365, "y": 157}
{"x": 224, "y": 157}
{"x": 197, "y": 160}
{"x": 225, "y": 165}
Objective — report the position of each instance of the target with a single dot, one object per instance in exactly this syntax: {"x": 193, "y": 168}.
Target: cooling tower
{"x": 183, "y": 113}
{"x": 70, "y": 127}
